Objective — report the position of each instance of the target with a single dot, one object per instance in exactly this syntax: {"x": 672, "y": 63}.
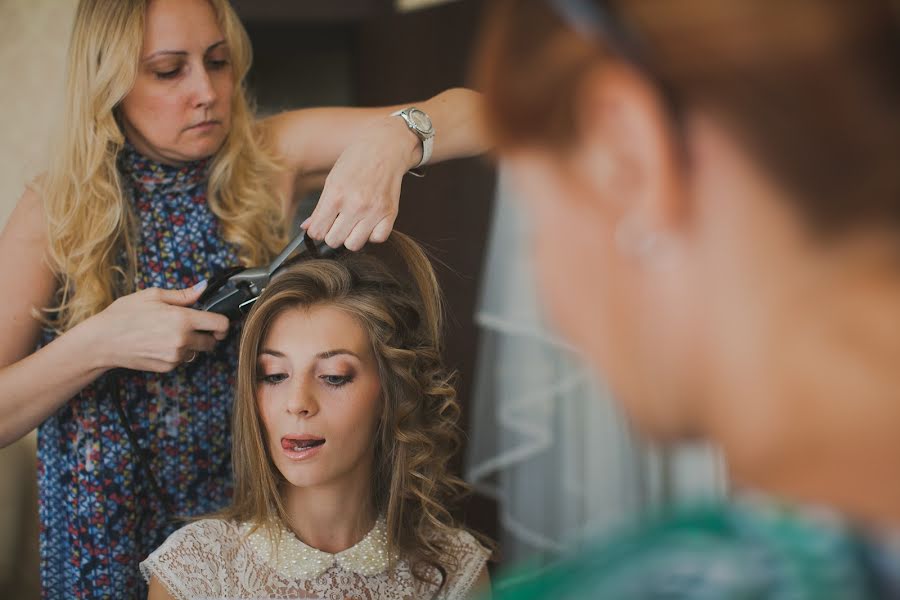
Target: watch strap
{"x": 427, "y": 140}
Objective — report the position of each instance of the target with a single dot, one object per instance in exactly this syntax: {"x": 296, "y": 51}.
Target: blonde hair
{"x": 91, "y": 226}
{"x": 418, "y": 431}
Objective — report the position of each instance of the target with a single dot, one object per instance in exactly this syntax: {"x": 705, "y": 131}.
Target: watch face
{"x": 420, "y": 120}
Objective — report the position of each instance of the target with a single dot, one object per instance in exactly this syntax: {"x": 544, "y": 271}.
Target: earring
{"x": 633, "y": 240}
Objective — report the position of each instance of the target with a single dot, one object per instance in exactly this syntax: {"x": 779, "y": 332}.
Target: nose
{"x": 301, "y": 401}
{"x": 204, "y": 91}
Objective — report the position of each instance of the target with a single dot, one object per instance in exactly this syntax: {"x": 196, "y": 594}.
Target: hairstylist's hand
{"x": 362, "y": 192}
{"x": 154, "y": 330}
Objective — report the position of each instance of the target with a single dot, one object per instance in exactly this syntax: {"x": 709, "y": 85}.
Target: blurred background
{"x": 536, "y": 422}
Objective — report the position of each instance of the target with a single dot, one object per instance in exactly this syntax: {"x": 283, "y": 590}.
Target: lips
{"x": 301, "y": 446}
{"x": 204, "y": 124}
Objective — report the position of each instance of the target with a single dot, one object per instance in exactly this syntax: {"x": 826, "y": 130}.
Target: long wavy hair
{"x": 418, "y": 430}
{"x": 92, "y": 229}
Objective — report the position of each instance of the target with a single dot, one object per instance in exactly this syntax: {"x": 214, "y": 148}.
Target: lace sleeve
{"x": 192, "y": 562}
{"x": 472, "y": 558}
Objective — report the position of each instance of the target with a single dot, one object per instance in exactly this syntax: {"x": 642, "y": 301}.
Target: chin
{"x": 204, "y": 145}
{"x": 661, "y": 417}
{"x": 303, "y": 478}
{"x": 204, "y": 150}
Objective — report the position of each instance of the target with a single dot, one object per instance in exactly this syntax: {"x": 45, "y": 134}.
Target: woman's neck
{"x": 812, "y": 412}
{"x": 334, "y": 516}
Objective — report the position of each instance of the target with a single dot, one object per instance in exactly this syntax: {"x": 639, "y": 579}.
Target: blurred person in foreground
{"x": 714, "y": 192}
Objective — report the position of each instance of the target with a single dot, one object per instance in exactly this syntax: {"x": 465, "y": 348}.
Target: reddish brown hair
{"x": 810, "y": 87}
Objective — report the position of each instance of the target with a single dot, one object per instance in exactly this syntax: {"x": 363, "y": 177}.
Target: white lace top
{"x": 219, "y": 559}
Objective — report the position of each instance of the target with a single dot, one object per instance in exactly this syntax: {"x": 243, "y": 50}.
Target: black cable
{"x": 113, "y": 389}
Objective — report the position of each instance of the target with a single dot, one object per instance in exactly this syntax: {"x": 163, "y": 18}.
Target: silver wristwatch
{"x": 420, "y": 124}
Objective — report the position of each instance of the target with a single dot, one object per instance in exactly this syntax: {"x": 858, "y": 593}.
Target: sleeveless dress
{"x": 99, "y": 516}
{"x": 214, "y": 558}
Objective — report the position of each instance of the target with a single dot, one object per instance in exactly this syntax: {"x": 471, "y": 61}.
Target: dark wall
{"x": 413, "y": 56}
{"x": 387, "y": 58}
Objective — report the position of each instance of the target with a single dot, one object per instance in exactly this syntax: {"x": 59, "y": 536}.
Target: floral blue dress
{"x": 99, "y": 516}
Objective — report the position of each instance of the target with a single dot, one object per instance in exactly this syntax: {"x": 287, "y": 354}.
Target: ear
{"x": 627, "y": 151}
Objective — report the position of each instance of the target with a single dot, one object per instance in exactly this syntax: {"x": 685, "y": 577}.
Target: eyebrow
{"x": 320, "y": 355}
{"x": 180, "y": 52}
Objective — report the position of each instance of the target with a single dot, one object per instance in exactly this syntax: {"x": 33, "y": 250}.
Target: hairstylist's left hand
{"x": 361, "y": 196}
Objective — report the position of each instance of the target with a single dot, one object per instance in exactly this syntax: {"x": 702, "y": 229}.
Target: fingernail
{"x": 200, "y": 285}
{"x": 305, "y": 223}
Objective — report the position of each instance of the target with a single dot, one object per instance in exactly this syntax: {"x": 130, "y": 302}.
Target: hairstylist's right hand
{"x": 155, "y": 330}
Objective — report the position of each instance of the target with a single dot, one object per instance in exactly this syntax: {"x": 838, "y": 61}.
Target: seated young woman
{"x": 344, "y": 420}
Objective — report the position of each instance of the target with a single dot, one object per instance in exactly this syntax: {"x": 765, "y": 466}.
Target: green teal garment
{"x": 744, "y": 551}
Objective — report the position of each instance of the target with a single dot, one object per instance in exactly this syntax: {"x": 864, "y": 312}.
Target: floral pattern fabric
{"x": 99, "y": 514}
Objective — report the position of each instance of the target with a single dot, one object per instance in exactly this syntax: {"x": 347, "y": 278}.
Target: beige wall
{"x": 33, "y": 39}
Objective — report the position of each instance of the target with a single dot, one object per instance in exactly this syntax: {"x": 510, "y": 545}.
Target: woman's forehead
{"x": 180, "y": 26}
{"x": 316, "y": 332}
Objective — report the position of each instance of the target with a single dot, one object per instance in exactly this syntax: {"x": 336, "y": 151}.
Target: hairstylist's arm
{"x": 366, "y": 153}
{"x": 150, "y": 330}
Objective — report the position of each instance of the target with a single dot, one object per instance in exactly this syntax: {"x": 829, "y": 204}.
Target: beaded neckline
{"x": 151, "y": 176}
{"x": 293, "y": 559}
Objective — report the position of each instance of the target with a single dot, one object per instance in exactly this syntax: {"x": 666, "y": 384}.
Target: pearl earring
{"x": 633, "y": 240}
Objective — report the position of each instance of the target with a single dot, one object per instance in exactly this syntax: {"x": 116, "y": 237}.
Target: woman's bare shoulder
{"x": 25, "y": 268}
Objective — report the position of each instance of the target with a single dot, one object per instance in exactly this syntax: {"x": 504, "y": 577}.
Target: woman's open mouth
{"x": 301, "y": 447}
